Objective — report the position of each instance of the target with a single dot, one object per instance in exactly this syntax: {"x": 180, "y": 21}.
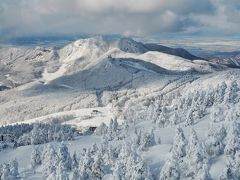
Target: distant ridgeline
{"x": 44, "y": 41}
{"x": 47, "y": 41}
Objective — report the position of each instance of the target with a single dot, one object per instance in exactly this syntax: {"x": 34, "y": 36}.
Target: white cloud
{"x": 225, "y": 19}
{"x": 137, "y": 17}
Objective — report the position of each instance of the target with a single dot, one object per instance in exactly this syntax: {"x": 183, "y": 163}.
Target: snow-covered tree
{"x": 94, "y": 149}
{"x": 86, "y": 165}
{"x": 190, "y": 117}
{"x": 209, "y": 99}
{"x": 147, "y": 140}
{"x": 179, "y": 144}
{"x": 141, "y": 171}
{"x": 115, "y": 125}
{"x": 170, "y": 170}
{"x": 104, "y": 144}
{"x": 35, "y": 157}
{"x": 98, "y": 168}
{"x": 232, "y": 114}
{"x": 61, "y": 173}
{"x": 232, "y": 139}
{"x": 163, "y": 117}
{"x": 196, "y": 157}
{"x": 52, "y": 176}
{"x": 232, "y": 93}
{"x": 174, "y": 119}
{"x": 138, "y": 137}
{"x": 112, "y": 154}
{"x": 153, "y": 112}
{"x": 101, "y": 130}
{"x": 220, "y": 93}
{"x": 50, "y": 135}
{"x": 125, "y": 127}
{"x": 120, "y": 166}
{"x": 125, "y": 150}
{"x": 215, "y": 140}
{"x": 217, "y": 114}
{"x": 64, "y": 156}
{"x": 118, "y": 171}
{"x": 236, "y": 167}
{"x": 227, "y": 172}
{"x": 110, "y": 132}
{"x": 43, "y": 135}
{"x": 203, "y": 173}
{"x": 49, "y": 161}
{"x": 35, "y": 134}
{"x": 129, "y": 165}
{"x": 76, "y": 174}
{"x": 9, "y": 171}
{"x": 13, "y": 167}
{"x": 75, "y": 161}
{"x": 5, "y": 172}
{"x": 199, "y": 112}
{"x": 232, "y": 167}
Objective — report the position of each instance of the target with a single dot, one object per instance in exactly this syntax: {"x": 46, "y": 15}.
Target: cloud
{"x": 129, "y": 17}
{"x": 225, "y": 19}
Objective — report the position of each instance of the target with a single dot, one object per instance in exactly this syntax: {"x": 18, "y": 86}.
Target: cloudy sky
{"x": 127, "y": 17}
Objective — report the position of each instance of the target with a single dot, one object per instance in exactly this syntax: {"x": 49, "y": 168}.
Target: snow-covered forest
{"x": 118, "y": 110}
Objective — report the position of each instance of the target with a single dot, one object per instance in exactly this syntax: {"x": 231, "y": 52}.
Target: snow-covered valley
{"x": 117, "y": 109}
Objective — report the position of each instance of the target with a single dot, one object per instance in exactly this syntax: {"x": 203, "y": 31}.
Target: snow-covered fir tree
{"x": 101, "y": 130}
{"x": 220, "y": 93}
{"x": 35, "y": 134}
{"x": 215, "y": 140}
{"x": 75, "y": 174}
{"x": 179, "y": 144}
{"x": 232, "y": 139}
{"x": 190, "y": 117}
{"x": 61, "y": 172}
{"x": 13, "y": 169}
{"x": 174, "y": 119}
{"x": 195, "y": 157}
{"x": 163, "y": 117}
{"x": 130, "y": 165}
{"x": 216, "y": 110}
{"x": 232, "y": 93}
{"x": 75, "y": 161}
{"x": 170, "y": 170}
{"x": 64, "y": 157}
{"x": 147, "y": 140}
{"x": 98, "y": 168}
{"x": 35, "y": 157}
{"x": 5, "y": 172}
{"x": 227, "y": 172}
{"x": 49, "y": 161}
{"x": 86, "y": 165}
{"x": 204, "y": 173}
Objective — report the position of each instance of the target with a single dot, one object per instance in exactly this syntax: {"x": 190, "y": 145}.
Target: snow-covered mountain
{"x": 231, "y": 59}
{"x": 90, "y": 68}
{"x": 88, "y": 54}
{"x": 135, "y": 94}
{"x": 79, "y": 55}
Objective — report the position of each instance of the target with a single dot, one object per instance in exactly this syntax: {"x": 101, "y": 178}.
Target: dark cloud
{"x": 130, "y": 17}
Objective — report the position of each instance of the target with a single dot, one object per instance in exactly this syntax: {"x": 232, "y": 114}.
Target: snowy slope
{"x": 91, "y": 81}
{"x": 81, "y": 118}
{"x": 88, "y": 73}
{"x": 84, "y": 54}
